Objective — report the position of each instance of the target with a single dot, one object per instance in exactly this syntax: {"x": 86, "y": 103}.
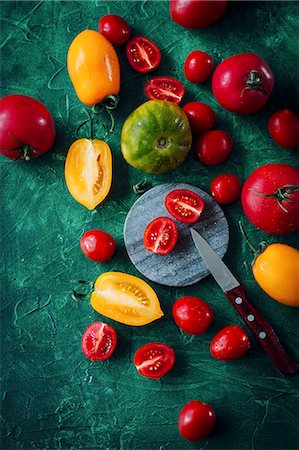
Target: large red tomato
{"x": 196, "y": 13}
{"x": 242, "y": 83}
{"x": 270, "y": 198}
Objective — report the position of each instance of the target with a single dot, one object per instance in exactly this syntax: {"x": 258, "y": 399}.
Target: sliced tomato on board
{"x": 160, "y": 235}
{"x": 184, "y": 205}
{"x": 143, "y": 54}
{"x": 99, "y": 341}
{"x": 164, "y": 88}
{"x": 154, "y": 360}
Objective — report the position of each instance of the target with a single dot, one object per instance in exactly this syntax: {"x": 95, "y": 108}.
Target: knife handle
{"x": 262, "y": 330}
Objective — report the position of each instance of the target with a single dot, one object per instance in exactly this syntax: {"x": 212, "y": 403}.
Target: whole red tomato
{"x": 198, "y": 66}
{"x": 201, "y": 117}
{"x": 243, "y": 83}
{"x": 98, "y": 245}
{"x": 27, "y": 128}
{"x": 230, "y": 343}
{"x": 226, "y": 188}
{"x": 270, "y": 198}
{"x": 213, "y": 147}
{"x": 196, "y": 420}
{"x": 115, "y": 29}
{"x": 196, "y": 13}
{"x": 192, "y": 315}
{"x": 283, "y": 127}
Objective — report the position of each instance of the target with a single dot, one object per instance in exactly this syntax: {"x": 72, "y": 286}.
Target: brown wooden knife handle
{"x": 262, "y": 330}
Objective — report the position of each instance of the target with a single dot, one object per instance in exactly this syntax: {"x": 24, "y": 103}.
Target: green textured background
{"x": 52, "y": 397}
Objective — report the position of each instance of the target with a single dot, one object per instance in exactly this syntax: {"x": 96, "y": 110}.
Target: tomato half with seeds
{"x": 160, "y": 235}
{"x": 164, "y": 88}
{"x": 99, "y": 341}
{"x": 184, "y": 205}
{"x": 154, "y": 360}
{"x": 143, "y": 54}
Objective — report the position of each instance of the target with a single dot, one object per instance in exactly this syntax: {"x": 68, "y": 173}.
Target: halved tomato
{"x": 143, "y": 54}
{"x": 88, "y": 171}
{"x": 99, "y": 341}
{"x": 160, "y": 235}
{"x": 184, "y": 205}
{"x": 164, "y": 88}
{"x": 154, "y": 360}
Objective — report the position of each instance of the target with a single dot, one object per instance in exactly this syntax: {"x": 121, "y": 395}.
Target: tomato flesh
{"x": 196, "y": 420}
{"x": 230, "y": 343}
{"x": 184, "y": 205}
{"x": 154, "y": 360}
{"x": 99, "y": 341}
{"x": 192, "y": 315}
{"x": 98, "y": 245}
{"x": 164, "y": 88}
{"x": 143, "y": 54}
{"x": 161, "y": 235}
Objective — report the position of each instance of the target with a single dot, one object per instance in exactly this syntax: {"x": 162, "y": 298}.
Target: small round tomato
{"x": 226, "y": 188}
{"x": 99, "y": 341}
{"x": 283, "y": 127}
{"x": 192, "y": 315}
{"x": 154, "y": 360}
{"x": 98, "y": 245}
{"x": 213, "y": 147}
{"x": 115, "y": 29}
{"x": 196, "y": 420}
{"x": 164, "y": 88}
{"x": 196, "y": 13}
{"x": 161, "y": 235}
{"x": 184, "y": 205}
{"x": 143, "y": 54}
{"x": 230, "y": 343}
{"x": 198, "y": 66}
{"x": 201, "y": 117}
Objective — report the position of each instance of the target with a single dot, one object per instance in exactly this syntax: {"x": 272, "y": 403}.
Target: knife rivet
{"x": 250, "y": 318}
{"x": 262, "y": 335}
{"x": 238, "y": 300}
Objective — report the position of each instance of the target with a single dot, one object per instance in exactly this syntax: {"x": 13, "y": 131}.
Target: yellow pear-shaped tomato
{"x": 88, "y": 171}
{"x": 93, "y": 67}
{"x": 126, "y": 299}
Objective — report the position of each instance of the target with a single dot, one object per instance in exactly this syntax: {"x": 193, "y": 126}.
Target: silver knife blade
{"x": 216, "y": 266}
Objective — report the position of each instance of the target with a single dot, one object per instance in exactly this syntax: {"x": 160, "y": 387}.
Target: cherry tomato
{"x": 99, "y": 341}
{"x": 243, "y": 83}
{"x": 213, "y": 147}
{"x": 98, "y": 245}
{"x": 198, "y": 66}
{"x": 143, "y": 54}
{"x": 226, "y": 188}
{"x": 201, "y": 117}
{"x": 154, "y": 360}
{"x": 283, "y": 127}
{"x": 192, "y": 315}
{"x": 196, "y": 420}
{"x": 164, "y": 88}
{"x": 184, "y": 205}
{"x": 27, "y": 128}
{"x": 161, "y": 235}
{"x": 115, "y": 29}
{"x": 196, "y": 13}
{"x": 230, "y": 343}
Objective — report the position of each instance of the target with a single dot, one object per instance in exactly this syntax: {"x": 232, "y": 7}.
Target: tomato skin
{"x": 161, "y": 235}
{"x": 196, "y": 420}
{"x": 232, "y": 85}
{"x": 148, "y": 366}
{"x": 98, "y": 245}
{"x": 226, "y": 188}
{"x": 201, "y": 117}
{"x": 99, "y": 341}
{"x": 230, "y": 343}
{"x": 196, "y": 13}
{"x": 115, "y": 29}
{"x": 213, "y": 147}
{"x": 192, "y": 315}
{"x": 198, "y": 66}
{"x": 134, "y": 54}
{"x": 283, "y": 127}
{"x": 27, "y": 128}
{"x": 164, "y": 88}
{"x": 184, "y": 205}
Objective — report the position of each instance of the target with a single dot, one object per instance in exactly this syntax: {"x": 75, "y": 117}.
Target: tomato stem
{"x": 281, "y": 194}
{"x": 254, "y": 82}
{"x": 249, "y": 243}
{"x": 141, "y": 187}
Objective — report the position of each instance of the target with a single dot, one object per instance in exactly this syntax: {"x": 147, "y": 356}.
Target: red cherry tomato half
{"x": 192, "y": 315}
{"x": 161, "y": 235}
{"x": 154, "y": 360}
{"x": 98, "y": 245}
{"x": 196, "y": 13}
{"x": 226, "y": 188}
{"x": 99, "y": 341}
{"x": 115, "y": 29}
{"x": 165, "y": 88}
{"x": 213, "y": 147}
{"x": 198, "y": 66}
{"x": 143, "y": 54}
{"x": 201, "y": 117}
{"x": 230, "y": 343}
{"x": 184, "y": 205}
{"x": 196, "y": 420}
{"x": 283, "y": 127}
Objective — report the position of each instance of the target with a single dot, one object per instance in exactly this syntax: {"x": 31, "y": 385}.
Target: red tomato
{"x": 213, "y": 147}
{"x": 154, "y": 360}
{"x": 143, "y": 54}
{"x": 161, "y": 235}
{"x": 27, "y": 128}
{"x": 283, "y": 127}
{"x": 192, "y": 315}
{"x": 99, "y": 341}
{"x": 243, "y": 83}
{"x": 196, "y": 420}
{"x": 201, "y": 117}
{"x": 196, "y": 13}
{"x": 226, "y": 188}
{"x": 198, "y": 66}
{"x": 184, "y": 205}
{"x": 230, "y": 343}
{"x": 98, "y": 245}
{"x": 115, "y": 29}
{"x": 164, "y": 88}
{"x": 270, "y": 198}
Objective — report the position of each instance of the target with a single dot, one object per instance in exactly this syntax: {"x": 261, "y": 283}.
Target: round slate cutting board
{"x": 182, "y": 266}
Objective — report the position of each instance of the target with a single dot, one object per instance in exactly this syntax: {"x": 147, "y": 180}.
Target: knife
{"x": 235, "y": 292}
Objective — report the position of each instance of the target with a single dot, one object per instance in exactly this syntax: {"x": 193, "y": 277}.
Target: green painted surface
{"x": 52, "y": 397}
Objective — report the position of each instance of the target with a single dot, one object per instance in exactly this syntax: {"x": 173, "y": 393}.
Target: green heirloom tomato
{"x": 156, "y": 137}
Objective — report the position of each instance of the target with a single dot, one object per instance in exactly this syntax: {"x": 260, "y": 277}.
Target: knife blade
{"x": 235, "y": 292}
